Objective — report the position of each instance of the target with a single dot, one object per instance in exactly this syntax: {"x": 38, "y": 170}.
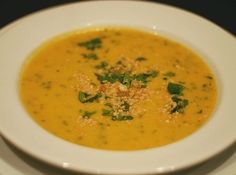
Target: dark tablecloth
{"x": 221, "y": 12}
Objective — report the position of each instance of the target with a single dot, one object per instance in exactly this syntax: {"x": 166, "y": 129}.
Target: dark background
{"x": 221, "y": 12}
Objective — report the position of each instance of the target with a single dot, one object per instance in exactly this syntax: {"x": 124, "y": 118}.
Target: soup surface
{"x": 117, "y": 89}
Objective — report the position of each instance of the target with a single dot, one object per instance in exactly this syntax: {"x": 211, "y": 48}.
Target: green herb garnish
{"x": 88, "y": 114}
{"x": 83, "y": 97}
{"x": 108, "y": 104}
{"x": 122, "y": 117}
{"x": 127, "y": 80}
{"x": 114, "y": 77}
{"x": 91, "y": 44}
{"x": 174, "y": 88}
{"x": 119, "y": 117}
{"x": 144, "y": 77}
{"x": 107, "y": 112}
{"x": 180, "y": 104}
{"x": 88, "y": 98}
{"x": 102, "y": 78}
{"x": 125, "y": 77}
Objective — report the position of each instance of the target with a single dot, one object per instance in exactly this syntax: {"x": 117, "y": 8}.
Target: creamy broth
{"x": 117, "y": 89}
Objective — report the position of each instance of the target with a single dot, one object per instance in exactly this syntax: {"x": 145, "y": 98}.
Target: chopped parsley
{"x": 88, "y": 114}
{"x": 119, "y": 73}
{"x": 91, "y": 44}
{"x": 174, "y": 88}
{"x": 126, "y": 78}
{"x": 119, "y": 117}
{"x": 108, "y": 104}
{"x": 88, "y": 98}
{"x": 144, "y": 77}
{"x": 180, "y": 104}
{"x": 107, "y": 112}
{"x": 110, "y": 77}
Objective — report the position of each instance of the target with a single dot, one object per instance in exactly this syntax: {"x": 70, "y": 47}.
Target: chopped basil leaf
{"x": 144, "y": 77}
{"x": 114, "y": 77}
{"x": 88, "y": 114}
{"x": 91, "y": 44}
{"x": 95, "y": 97}
{"x": 124, "y": 78}
{"x": 109, "y": 77}
{"x": 180, "y": 104}
{"x": 127, "y": 80}
{"x": 102, "y": 78}
{"x": 83, "y": 97}
{"x": 107, "y": 112}
{"x": 87, "y": 98}
{"x": 174, "y": 88}
{"x": 108, "y": 104}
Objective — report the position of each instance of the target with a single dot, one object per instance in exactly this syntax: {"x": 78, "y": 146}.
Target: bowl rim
{"x": 120, "y": 154}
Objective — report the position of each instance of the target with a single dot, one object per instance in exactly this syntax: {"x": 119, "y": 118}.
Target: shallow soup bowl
{"x": 216, "y": 46}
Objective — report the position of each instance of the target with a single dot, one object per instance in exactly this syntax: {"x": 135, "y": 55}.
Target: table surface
{"x": 15, "y": 162}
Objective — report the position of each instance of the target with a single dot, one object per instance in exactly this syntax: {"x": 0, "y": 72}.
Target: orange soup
{"x": 117, "y": 89}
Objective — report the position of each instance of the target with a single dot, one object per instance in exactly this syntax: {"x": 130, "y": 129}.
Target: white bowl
{"x": 217, "y": 47}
